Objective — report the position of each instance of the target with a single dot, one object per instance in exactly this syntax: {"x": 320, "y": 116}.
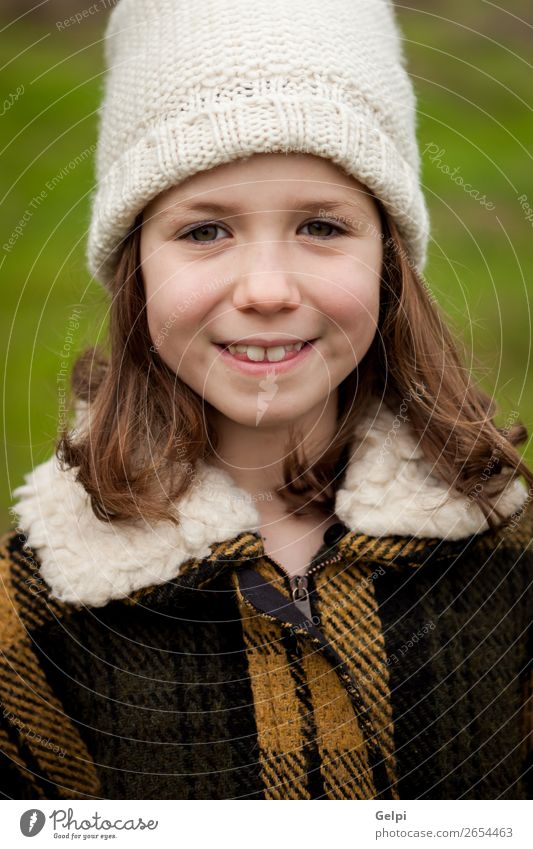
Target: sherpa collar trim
{"x": 388, "y": 490}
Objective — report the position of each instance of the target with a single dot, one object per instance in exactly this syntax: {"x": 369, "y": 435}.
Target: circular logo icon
{"x": 31, "y": 822}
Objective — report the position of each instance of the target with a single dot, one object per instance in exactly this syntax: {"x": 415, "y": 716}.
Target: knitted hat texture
{"x": 191, "y": 86}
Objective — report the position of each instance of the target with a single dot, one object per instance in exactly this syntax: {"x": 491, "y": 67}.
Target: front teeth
{"x": 257, "y": 354}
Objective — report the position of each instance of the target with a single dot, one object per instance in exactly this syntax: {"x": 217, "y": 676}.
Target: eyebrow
{"x": 225, "y": 209}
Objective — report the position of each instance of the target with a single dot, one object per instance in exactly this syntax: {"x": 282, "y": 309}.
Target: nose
{"x": 265, "y": 281}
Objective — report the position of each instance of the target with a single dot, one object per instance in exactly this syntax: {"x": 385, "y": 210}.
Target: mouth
{"x": 256, "y": 358}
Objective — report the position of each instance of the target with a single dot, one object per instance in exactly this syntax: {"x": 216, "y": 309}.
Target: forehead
{"x": 290, "y": 181}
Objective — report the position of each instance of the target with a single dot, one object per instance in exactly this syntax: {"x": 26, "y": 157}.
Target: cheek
{"x": 352, "y": 298}
{"x": 176, "y": 302}
{"x": 354, "y": 305}
{"x": 164, "y": 322}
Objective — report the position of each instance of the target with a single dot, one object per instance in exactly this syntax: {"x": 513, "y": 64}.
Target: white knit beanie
{"x": 193, "y": 85}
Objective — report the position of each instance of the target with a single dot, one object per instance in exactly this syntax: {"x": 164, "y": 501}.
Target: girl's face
{"x": 269, "y": 251}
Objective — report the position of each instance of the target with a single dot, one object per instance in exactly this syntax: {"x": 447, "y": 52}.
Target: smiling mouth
{"x": 259, "y": 354}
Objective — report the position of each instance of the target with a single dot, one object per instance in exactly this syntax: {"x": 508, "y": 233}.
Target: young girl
{"x": 282, "y": 552}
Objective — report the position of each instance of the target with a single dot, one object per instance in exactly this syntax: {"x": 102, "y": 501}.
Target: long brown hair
{"x": 147, "y": 428}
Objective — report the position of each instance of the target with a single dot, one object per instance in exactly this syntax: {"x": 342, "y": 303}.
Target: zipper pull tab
{"x": 300, "y": 595}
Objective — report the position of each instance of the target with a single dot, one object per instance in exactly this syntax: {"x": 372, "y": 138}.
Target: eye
{"x": 321, "y": 222}
{"x": 204, "y": 231}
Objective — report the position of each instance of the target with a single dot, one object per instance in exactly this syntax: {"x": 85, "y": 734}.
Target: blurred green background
{"x": 468, "y": 63}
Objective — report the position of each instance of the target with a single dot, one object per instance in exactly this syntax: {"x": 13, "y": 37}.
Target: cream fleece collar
{"x": 388, "y": 490}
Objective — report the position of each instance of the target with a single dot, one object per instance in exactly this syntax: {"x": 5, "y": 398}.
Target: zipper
{"x": 299, "y": 584}
{"x": 300, "y": 594}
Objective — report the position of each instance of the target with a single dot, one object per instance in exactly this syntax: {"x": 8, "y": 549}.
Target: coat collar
{"x": 388, "y": 490}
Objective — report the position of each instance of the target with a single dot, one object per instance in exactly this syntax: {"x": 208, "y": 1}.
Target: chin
{"x": 255, "y": 415}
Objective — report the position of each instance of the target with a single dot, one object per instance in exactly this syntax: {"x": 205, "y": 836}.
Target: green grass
{"x": 471, "y": 94}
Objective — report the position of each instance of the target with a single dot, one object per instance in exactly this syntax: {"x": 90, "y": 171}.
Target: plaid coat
{"x": 164, "y": 662}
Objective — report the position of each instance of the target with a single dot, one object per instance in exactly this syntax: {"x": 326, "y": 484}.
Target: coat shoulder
{"x": 24, "y": 596}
